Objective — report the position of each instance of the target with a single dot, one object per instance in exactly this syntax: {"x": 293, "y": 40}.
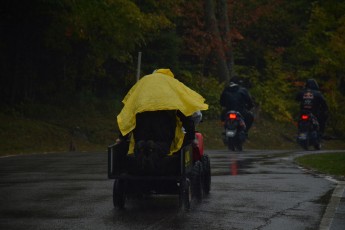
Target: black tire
{"x": 239, "y": 147}
{"x": 238, "y": 142}
{"x": 231, "y": 145}
{"x": 317, "y": 146}
{"x": 119, "y": 196}
{"x": 207, "y": 174}
{"x": 185, "y": 195}
{"x": 196, "y": 181}
{"x": 305, "y": 145}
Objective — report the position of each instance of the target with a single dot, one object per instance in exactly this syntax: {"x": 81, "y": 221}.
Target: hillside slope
{"x": 94, "y": 132}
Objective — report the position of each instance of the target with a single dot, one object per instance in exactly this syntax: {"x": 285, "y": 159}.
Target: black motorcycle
{"x": 308, "y": 131}
{"x": 234, "y": 131}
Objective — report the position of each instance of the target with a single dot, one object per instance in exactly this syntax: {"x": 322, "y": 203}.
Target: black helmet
{"x": 235, "y": 80}
{"x": 311, "y": 84}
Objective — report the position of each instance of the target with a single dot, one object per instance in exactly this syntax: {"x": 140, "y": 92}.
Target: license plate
{"x": 302, "y": 136}
{"x": 230, "y": 133}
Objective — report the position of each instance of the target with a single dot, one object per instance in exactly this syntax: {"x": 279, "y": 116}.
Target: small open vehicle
{"x": 179, "y": 174}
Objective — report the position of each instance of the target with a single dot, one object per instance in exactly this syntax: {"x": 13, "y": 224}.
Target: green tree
{"x": 57, "y": 49}
{"x": 324, "y": 49}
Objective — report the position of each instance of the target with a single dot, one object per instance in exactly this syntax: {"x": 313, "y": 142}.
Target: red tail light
{"x": 304, "y": 117}
{"x": 232, "y": 116}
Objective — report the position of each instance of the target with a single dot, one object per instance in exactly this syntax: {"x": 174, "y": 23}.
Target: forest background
{"x": 66, "y": 65}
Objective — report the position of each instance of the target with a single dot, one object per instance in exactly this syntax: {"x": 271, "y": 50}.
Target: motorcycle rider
{"x": 237, "y": 98}
{"x": 311, "y": 99}
{"x": 155, "y": 110}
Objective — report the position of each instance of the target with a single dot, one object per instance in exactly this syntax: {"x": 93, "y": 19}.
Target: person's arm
{"x": 188, "y": 125}
{"x": 248, "y": 99}
{"x": 121, "y": 138}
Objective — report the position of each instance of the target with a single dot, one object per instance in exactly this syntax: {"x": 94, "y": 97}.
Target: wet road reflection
{"x": 249, "y": 190}
{"x": 233, "y": 165}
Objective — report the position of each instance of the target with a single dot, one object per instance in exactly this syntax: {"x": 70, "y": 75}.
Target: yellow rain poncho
{"x": 159, "y": 91}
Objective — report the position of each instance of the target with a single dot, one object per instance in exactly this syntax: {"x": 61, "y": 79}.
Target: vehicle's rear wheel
{"x": 196, "y": 179}
{"x": 239, "y": 147}
{"x": 231, "y": 145}
{"x": 185, "y": 195}
{"x": 207, "y": 174}
{"x": 119, "y": 196}
{"x": 317, "y": 146}
{"x": 305, "y": 145}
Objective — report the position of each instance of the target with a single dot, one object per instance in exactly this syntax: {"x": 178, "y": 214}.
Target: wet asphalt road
{"x": 249, "y": 190}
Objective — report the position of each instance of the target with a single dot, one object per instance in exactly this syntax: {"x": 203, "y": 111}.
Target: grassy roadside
{"x": 48, "y": 129}
{"x": 54, "y": 130}
{"x": 94, "y": 131}
{"x": 327, "y": 163}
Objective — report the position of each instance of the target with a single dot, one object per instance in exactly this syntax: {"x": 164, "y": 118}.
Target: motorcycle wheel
{"x": 239, "y": 147}
{"x": 238, "y": 144}
{"x": 231, "y": 145}
{"x": 305, "y": 145}
{"x": 317, "y": 146}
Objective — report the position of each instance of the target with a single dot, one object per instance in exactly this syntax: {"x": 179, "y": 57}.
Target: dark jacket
{"x": 311, "y": 99}
{"x": 236, "y": 98}
{"x": 160, "y": 126}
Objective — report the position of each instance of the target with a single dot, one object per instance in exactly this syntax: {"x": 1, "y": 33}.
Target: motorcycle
{"x": 234, "y": 131}
{"x": 308, "y": 131}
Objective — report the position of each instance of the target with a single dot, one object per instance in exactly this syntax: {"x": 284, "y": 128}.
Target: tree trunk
{"x": 226, "y": 37}
{"x": 217, "y": 43}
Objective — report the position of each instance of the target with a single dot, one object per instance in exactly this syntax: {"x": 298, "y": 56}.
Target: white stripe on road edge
{"x": 332, "y": 206}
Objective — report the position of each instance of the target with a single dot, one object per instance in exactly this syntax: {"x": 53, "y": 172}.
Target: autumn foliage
{"x": 78, "y": 52}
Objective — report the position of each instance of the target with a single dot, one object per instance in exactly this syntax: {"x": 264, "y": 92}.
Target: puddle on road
{"x": 235, "y": 167}
{"x": 235, "y": 164}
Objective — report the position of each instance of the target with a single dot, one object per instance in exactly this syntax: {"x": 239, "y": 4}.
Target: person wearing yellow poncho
{"x": 159, "y": 91}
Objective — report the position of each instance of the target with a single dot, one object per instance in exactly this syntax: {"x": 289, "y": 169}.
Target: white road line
{"x": 332, "y": 206}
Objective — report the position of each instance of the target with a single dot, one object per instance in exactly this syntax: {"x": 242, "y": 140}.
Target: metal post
{"x": 139, "y": 66}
